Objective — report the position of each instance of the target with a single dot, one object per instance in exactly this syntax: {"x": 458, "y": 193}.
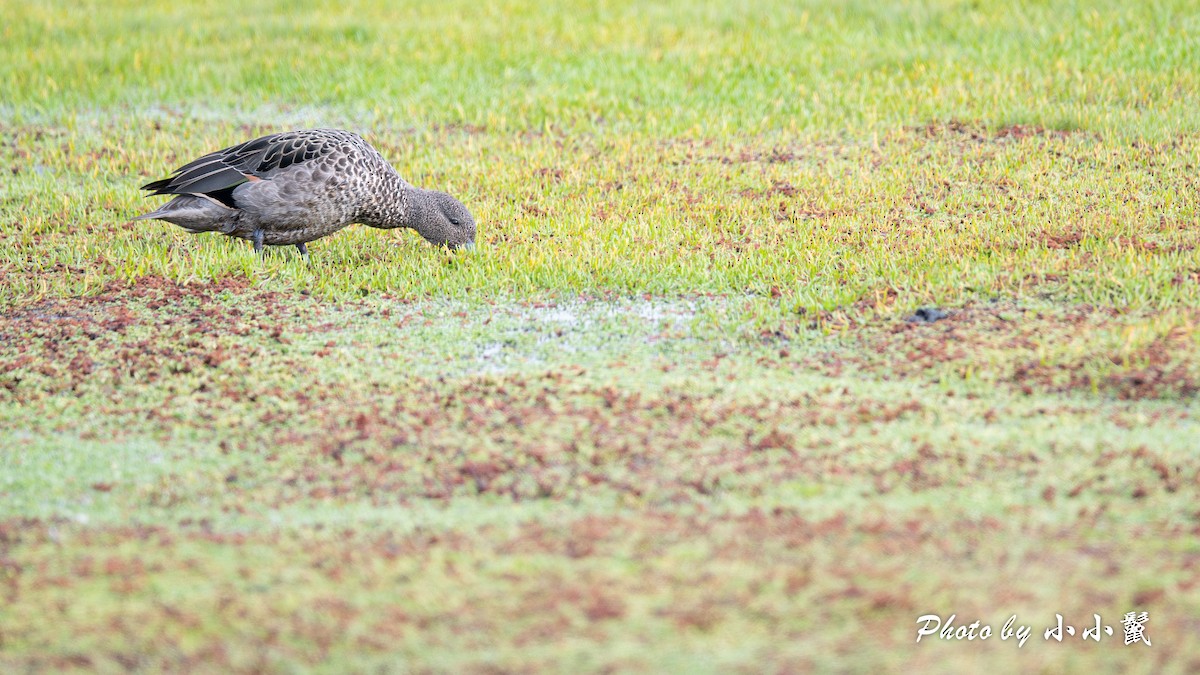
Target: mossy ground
{"x": 670, "y": 416}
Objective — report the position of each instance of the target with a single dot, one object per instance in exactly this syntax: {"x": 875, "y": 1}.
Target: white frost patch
{"x": 492, "y": 351}
{"x": 558, "y": 315}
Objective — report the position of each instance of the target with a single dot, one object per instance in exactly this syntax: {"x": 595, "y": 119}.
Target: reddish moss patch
{"x": 528, "y": 440}
{"x": 764, "y": 578}
{"x": 72, "y": 342}
{"x": 978, "y": 133}
{"x": 1007, "y": 344}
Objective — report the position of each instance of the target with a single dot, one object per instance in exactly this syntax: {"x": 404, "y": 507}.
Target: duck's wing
{"x": 217, "y": 173}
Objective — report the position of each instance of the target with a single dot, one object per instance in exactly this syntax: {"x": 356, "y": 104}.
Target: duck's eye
{"x": 454, "y": 221}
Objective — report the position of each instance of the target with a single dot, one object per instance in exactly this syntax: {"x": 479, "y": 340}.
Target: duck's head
{"x": 443, "y": 220}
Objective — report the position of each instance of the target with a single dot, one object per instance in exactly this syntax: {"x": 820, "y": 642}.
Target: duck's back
{"x": 294, "y": 186}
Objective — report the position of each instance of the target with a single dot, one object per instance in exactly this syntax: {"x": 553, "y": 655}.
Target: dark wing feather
{"x": 217, "y": 173}
{"x": 205, "y": 179}
{"x": 156, "y": 185}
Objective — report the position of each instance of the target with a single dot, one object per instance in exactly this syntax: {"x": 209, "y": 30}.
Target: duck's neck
{"x": 394, "y": 204}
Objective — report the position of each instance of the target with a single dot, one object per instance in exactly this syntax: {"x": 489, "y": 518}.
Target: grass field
{"x": 670, "y": 415}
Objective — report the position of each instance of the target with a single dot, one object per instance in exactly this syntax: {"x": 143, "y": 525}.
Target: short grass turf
{"x": 670, "y": 415}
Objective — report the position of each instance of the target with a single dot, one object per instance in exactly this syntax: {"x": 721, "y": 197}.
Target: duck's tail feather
{"x": 157, "y": 185}
{"x": 196, "y": 213}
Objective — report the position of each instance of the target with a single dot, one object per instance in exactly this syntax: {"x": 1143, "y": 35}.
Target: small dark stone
{"x": 927, "y": 315}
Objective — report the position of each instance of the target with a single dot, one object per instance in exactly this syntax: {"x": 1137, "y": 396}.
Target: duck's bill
{"x": 464, "y": 247}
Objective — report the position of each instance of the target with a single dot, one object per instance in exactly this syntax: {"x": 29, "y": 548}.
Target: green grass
{"x": 669, "y": 416}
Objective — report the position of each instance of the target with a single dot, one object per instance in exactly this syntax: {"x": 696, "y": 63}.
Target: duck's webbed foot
{"x": 303, "y": 248}
{"x": 257, "y": 238}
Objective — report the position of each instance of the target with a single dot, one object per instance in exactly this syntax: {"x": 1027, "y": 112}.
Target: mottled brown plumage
{"x": 298, "y": 186}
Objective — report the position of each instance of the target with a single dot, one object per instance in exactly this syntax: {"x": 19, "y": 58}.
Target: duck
{"x": 290, "y": 188}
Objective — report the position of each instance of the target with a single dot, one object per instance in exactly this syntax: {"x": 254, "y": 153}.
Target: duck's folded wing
{"x": 256, "y": 159}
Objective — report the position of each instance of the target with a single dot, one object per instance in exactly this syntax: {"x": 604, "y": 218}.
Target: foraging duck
{"x": 298, "y": 186}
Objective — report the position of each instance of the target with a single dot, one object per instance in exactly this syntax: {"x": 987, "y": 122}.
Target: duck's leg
{"x": 257, "y": 238}
{"x": 303, "y": 248}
